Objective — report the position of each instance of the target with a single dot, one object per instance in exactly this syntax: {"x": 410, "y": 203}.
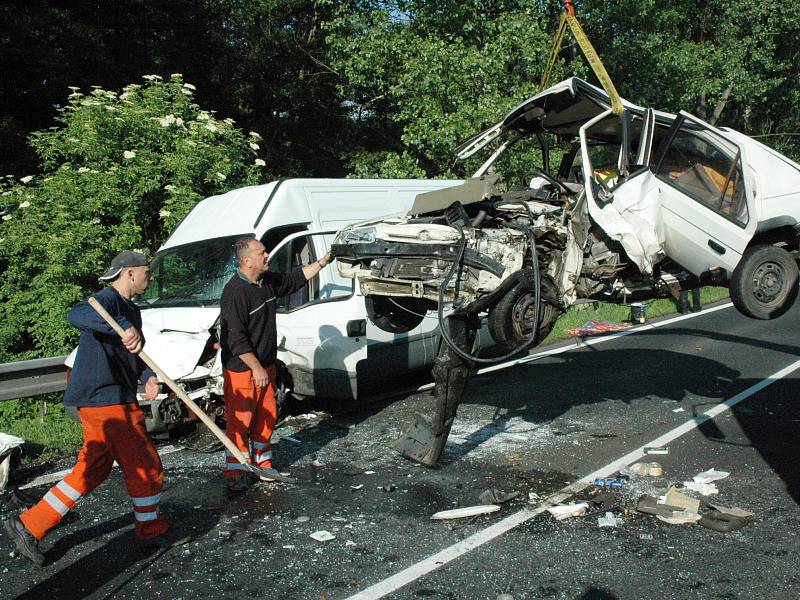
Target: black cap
{"x": 127, "y": 258}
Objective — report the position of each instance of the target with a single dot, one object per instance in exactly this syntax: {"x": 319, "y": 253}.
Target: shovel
{"x": 218, "y": 433}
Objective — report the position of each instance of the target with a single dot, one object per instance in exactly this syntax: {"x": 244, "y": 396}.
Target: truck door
{"x": 706, "y": 212}
{"x": 321, "y": 327}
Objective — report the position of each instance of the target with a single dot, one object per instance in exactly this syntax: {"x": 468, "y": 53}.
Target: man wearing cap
{"x": 103, "y": 388}
{"x": 249, "y": 351}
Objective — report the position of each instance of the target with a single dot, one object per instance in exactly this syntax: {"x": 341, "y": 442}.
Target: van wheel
{"x": 396, "y": 315}
{"x": 764, "y": 284}
{"x": 510, "y": 320}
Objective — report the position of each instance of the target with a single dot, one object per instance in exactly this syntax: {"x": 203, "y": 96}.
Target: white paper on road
{"x": 710, "y": 475}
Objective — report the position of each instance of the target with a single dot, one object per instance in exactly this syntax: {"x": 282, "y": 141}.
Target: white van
{"x": 325, "y": 340}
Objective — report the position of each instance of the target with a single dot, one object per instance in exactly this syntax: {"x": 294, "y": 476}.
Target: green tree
{"x": 119, "y": 172}
{"x": 420, "y": 77}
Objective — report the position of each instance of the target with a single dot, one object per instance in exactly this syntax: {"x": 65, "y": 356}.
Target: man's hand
{"x": 132, "y": 340}
{"x": 151, "y": 388}
{"x": 325, "y": 260}
{"x": 260, "y": 377}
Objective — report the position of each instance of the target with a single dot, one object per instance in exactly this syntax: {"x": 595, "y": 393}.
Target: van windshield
{"x": 191, "y": 275}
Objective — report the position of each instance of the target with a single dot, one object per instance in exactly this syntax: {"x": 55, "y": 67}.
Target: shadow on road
{"x": 104, "y": 571}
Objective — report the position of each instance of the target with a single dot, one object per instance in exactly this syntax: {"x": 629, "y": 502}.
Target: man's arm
{"x": 84, "y": 317}
{"x": 260, "y": 377}
{"x": 311, "y": 270}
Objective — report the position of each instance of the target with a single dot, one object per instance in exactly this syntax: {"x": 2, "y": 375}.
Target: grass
{"x": 53, "y": 435}
{"x": 47, "y": 436}
{"x": 576, "y": 316}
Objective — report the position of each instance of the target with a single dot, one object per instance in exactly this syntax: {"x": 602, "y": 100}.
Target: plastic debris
{"x": 656, "y": 450}
{"x": 682, "y": 517}
{"x": 323, "y": 536}
{"x": 710, "y": 475}
{"x": 7, "y": 444}
{"x": 565, "y": 511}
{"x": 466, "y": 511}
{"x": 609, "y": 482}
{"x": 645, "y": 536}
{"x": 609, "y": 520}
{"x": 641, "y": 469}
{"x": 369, "y": 472}
{"x": 349, "y": 543}
{"x": 706, "y": 489}
{"x": 317, "y": 463}
{"x": 303, "y": 519}
{"x": 356, "y": 487}
{"x": 389, "y": 487}
{"x": 735, "y": 512}
{"x": 495, "y": 496}
{"x": 533, "y": 497}
{"x": 597, "y": 328}
{"x": 678, "y": 410}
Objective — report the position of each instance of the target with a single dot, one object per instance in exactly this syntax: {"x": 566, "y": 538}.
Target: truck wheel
{"x": 510, "y": 319}
{"x": 396, "y": 315}
{"x": 764, "y": 284}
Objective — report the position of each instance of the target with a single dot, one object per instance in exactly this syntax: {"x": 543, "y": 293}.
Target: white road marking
{"x": 433, "y": 562}
{"x": 59, "y": 475}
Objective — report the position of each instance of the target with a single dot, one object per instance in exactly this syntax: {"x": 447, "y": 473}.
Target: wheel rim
{"x": 768, "y": 282}
{"x": 523, "y": 314}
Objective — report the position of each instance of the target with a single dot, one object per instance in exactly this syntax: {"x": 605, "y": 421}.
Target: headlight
{"x": 361, "y": 235}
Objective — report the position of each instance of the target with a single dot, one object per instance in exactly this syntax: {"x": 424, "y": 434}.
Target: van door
{"x": 706, "y": 217}
{"x": 321, "y": 327}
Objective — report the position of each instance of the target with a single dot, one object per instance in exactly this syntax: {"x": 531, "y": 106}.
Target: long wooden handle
{"x": 218, "y": 433}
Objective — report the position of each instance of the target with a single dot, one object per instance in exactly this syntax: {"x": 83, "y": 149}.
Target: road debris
{"x": 604, "y": 500}
{"x": 609, "y": 482}
{"x": 466, "y": 511}
{"x": 495, "y": 496}
{"x": 565, "y": 511}
{"x": 656, "y": 450}
{"x": 322, "y": 536}
{"x": 705, "y": 489}
{"x": 355, "y": 488}
{"x": 533, "y": 498}
{"x": 597, "y": 328}
{"x": 678, "y": 410}
{"x": 640, "y": 469}
{"x": 609, "y": 520}
{"x": 7, "y": 445}
{"x": 710, "y": 475}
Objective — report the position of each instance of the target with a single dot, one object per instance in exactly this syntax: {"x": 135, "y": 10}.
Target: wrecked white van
{"x": 326, "y": 343}
{"x": 641, "y": 204}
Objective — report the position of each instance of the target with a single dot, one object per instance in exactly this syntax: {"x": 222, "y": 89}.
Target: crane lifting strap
{"x": 591, "y": 57}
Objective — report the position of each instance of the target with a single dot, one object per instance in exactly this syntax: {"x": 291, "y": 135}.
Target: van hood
{"x": 175, "y": 337}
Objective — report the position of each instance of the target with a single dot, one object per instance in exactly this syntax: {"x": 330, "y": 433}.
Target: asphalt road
{"x": 533, "y": 428}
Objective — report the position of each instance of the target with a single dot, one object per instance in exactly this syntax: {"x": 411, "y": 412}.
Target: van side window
{"x": 276, "y": 235}
{"x": 296, "y": 253}
{"x": 301, "y": 251}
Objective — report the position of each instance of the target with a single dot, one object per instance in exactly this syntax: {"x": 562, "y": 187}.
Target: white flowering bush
{"x": 119, "y": 171}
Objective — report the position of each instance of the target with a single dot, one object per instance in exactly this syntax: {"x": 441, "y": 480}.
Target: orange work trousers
{"x": 110, "y": 433}
{"x": 250, "y": 413}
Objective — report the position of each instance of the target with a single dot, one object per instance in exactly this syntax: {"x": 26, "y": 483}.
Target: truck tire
{"x": 510, "y": 319}
{"x": 764, "y": 284}
{"x": 396, "y": 315}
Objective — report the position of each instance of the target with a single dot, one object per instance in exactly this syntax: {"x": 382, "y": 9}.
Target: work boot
{"x": 683, "y": 303}
{"x": 27, "y": 545}
{"x": 240, "y": 483}
{"x": 169, "y": 539}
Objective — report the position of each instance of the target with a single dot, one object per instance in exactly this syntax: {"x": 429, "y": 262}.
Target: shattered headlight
{"x": 361, "y": 235}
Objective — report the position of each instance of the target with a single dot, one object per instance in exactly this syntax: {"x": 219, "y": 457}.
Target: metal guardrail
{"x": 32, "y": 377}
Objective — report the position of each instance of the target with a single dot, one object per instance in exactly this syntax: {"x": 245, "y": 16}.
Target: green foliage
{"x": 46, "y": 436}
{"x": 119, "y": 172}
{"x": 421, "y": 77}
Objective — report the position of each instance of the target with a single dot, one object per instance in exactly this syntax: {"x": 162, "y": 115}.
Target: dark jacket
{"x": 104, "y": 372}
{"x": 247, "y": 316}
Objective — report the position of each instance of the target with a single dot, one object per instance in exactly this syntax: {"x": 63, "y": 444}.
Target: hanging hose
{"x": 537, "y": 291}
